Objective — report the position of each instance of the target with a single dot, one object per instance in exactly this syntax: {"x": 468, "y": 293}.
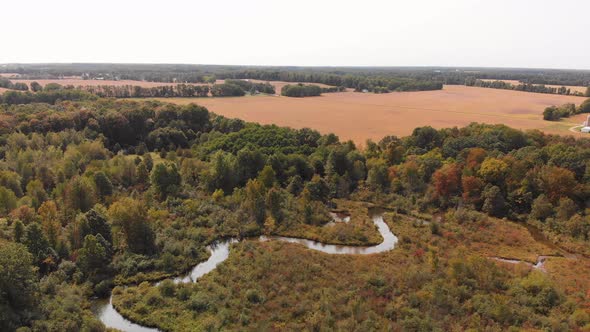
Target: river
{"x": 109, "y": 316}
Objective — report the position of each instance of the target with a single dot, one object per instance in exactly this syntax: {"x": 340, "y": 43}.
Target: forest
{"x": 350, "y": 77}
{"x": 100, "y": 196}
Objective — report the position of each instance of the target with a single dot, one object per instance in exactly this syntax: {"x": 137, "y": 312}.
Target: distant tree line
{"x": 135, "y": 91}
{"x": 527, "y": 87}
{"x": 7, "y": 84}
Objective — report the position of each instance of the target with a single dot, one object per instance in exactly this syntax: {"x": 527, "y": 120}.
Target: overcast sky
{"x": 491, "y": 33}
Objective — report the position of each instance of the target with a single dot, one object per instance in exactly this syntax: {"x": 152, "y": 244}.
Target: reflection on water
{"x": 111, "y": 318}
{"x": 389, "y": 242}
{"x": 220, "y": 251}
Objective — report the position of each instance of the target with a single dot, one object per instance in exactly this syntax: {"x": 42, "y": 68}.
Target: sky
{"x": 498, "y": 33}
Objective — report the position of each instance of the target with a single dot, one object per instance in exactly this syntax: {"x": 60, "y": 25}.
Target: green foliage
{"x": 165, "y": 180}
{"x": 18, "y": 286}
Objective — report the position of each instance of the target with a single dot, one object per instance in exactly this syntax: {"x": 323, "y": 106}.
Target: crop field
{"x": 580, "y": 89}
{"x": 362, "y": 116}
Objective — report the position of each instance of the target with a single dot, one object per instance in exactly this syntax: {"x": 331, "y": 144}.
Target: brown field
{"x": 581, "y": 89}
{"x": 362, "y": 116}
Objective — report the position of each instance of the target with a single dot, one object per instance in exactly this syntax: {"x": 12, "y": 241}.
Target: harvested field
{"x": 362, "y": 116}
{"x": 581, "y": 89}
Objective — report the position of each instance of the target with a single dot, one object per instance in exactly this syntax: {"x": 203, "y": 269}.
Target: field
{"x": 581, "y": 89}
{"x": 362, "y": 116}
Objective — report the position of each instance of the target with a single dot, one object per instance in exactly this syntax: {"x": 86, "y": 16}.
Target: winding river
{"x": 220, "y": 252}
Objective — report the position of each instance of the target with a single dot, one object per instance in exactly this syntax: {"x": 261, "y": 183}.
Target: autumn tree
{"x": 493, "y": 170}
{"x": 50, "y": 222}
{"x": 447, "y": 180}
{"x": 130, "y": 216}
{"x": 557, "y": 182}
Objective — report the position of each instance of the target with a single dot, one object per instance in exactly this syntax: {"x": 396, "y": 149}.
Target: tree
{"x": 541, "y": 208}
{"x": 36, "y": 87}
{"x": 93, "y": 256}
{"x": 37, "y": 244}
{"x": 18, "y": 282}
{"x": 472, "y": 188}
{"x": 165, "y": 179}
{"x": 50, "y": 222}
{"x": 584, "y": 106}
{"x": 317, "y": 189}
{"x": 587, "y": 93}
{"x": 267, "y": 176}
{"x": 79, "y": 194}
{"x": 296, "y": 185}
{"x": 447, "y": 180}
{"x": 97, "y": 223}
{"x": 274, "y": 202}
{"x": 494, "y": 203}
{"x": 493, "y": 170}
{"x": 130, "y": 216}
{"x": 18, "y": 231}
{"x": 254, "y": 201}
{"x": 377, "y": 177}
{"x": 104, "y": 187}
{"x": 7, "y": 200}
{"x": 566, "y": 209}
{"x": 557, "y": 182}
{"x": 36, "y": 192}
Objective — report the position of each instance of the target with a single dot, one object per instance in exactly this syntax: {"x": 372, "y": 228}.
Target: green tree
{"x": 267, "y": 176}
{"x": 18, "y": 286}
{"x": 92, "y": 257}
{"x": 541, "y": 208}
{"x": 165, "y": 179}
{"x": 97, "y": 223}
{"x": 80, "y": 194}
{"x": 104, "y": 187}
{"x": 274, "y": 203}
{"x": 35, "y": 86}
{"x": 130, "y": 216}
{"x": 18, "y": 231}
{"x": 37, "y": 243}
{"x": 254, "y": 202}
{"x": 7, "y": 200}
{"x": 494, "y": 203}
{"x": 36, "y": 192}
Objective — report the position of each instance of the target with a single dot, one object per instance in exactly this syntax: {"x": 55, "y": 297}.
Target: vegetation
{"x": 554, "y": 113}
{"x": 101, "y": 192}
{"x": 528, "y": 87}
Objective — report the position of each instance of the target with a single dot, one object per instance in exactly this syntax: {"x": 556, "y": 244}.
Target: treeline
{"x": 301, "y": 90}
{"x": 554, "y": 113}
{"x": 45, "y": 96}
{"x": 253, "y": 87}
{"x": 8, "y": 84}
{"x": 134, "y": 91}
{"x": 527, "y": 87}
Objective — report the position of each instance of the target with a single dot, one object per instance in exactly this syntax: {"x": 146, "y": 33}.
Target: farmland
{"x": 362, "y": 116}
